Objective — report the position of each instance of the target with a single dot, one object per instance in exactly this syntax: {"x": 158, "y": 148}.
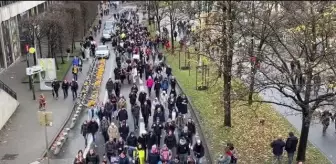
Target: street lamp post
{"x": 31, "y": 77}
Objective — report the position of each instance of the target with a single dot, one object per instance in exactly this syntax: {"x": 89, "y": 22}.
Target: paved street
{"x": 76, "y": 140}
{"x": 23, "y": 136}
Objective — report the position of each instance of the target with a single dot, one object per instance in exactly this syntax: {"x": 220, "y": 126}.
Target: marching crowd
{"x": 170, "y": 138}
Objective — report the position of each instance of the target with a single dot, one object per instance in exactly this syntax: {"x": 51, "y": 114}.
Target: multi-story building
{"x": 12, "y": 34}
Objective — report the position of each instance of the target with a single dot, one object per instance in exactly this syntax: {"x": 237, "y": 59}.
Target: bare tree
{"x": 73, "y": 10}
{"x": 159, "y": 12}
{"x": 295, "y": 53}
{"x": 88, "y": 13}
{"x": 36, "y": 30}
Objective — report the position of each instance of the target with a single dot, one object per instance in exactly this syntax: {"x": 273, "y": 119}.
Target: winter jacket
{"x": 159, "y": 115}
{"x": 165, "y": 154}
{"x": 110, "y": 85}
{"x": 142, "y": 97}
{"x": 168, "y": 71}
{"x": 157, "y": 129}
{"x": 104, "y": 125}
{"x": 122, "y": 115}
{"x": 142, "y": 140}
{"x": 108, "y": 107}
{"x": 183, "y": 148}
{"x": 55, "y": 85}
{"x": 278, "y": 146}
{"x": 170, "y": 141}
{"x": 124, "y": 130}
{"x": 94, "y": 158}
{"x": 172, "y": 83}
{"x": 191, "y": 127}
{"x": 153, "y": 158}
{"x": 169, "y": 127}
{"x": 132, "y": 141}
{"x": 150, "y": 83}
{"x": 111, "y": 147}
{"x": 146, "y": 111}
{"x": 165, "y": 84}
{"x": 79, "y": 160}
{"x": 113, "y": 132}
{"x": 136, "y": 111}
{"x": 157, "y": 86}
{"x": 132, "y": 97}
{"x": 74, "y": 86}
{"x": 151, "y": 140}
{"x": 122, "y": 104}
{"x": 198, "y": 150}
{"x": 65, "y": 85}
{"x": 124, "y": 160}
{"x": 84, "y": 129}
{"x": 183, "y": 108}
{"x": 93, "y": 127}
{"x": 291, "y": 144}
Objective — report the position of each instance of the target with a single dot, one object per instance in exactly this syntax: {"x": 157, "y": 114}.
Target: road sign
{"x": 33, "y": 70}
{"x": 32, "y": 50}
{"x": 45, "y": 118}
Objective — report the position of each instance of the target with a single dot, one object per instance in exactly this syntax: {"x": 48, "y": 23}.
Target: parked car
{"x": 102, "y": 51}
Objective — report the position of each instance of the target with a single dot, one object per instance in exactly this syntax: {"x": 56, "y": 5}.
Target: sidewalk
{"x": 22, "y": 137}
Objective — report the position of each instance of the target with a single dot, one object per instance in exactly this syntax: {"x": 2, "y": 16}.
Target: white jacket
{"x": 164, "y": 98}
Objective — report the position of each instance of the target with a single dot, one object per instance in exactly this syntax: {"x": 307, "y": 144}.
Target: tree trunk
{"x": 55, "y": 57}
{"x": 228, "y": 68}
{"x": 84, "y": 28}
{"x": 49, "y": 49}
{"x": 40, "y": 47}
{"x": 306, "y": 119}
{"x": 61, "y": 49}
{"x": 172, "y": 28}
{"x": 148, "y": 8}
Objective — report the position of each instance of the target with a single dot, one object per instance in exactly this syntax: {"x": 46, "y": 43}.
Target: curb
{"x": 63, "y": 132}
{"x": 197, "y": 119}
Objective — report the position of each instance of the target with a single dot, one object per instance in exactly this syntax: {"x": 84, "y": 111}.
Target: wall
{"x": 14, "y": 9}
{"x": 8, "y": 106}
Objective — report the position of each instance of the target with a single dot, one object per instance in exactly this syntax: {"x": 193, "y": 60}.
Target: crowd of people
{"x": 170, "y": 137}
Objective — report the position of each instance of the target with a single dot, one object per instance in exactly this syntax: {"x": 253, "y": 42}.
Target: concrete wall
{"x": 8, "y": 106}
{"x": 14, "y": 9}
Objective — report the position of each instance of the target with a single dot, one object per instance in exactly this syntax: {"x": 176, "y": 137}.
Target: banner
{"x": 49, "y": 68}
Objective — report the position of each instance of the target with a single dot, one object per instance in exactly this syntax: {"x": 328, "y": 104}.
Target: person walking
{"x": 149, "y": 83}
{"x": 92, "y": 157}
{"x": 198, "y": 150}
{"x": 84, "y": 131}
{"x": 74, "y": 88}
{"x": 146, "y": 112}
{"x": 55, "y": 85}
{"x": 183, "y": 150}
{"x": 93, "y": 128}
{"x": 75, "y": 72}
{"x": 290, "y": 147}
{"x": 136, "y": 113}
{"x": 157, "y": 87}
{"x": 79, "y": 159}
{"x": 109, "y": 87}
{"x": 65, "y": 88}
{"x": 113, "y": 132}
{"x": 122, "y": 115}
{"x": 278, "y": 147}
{"x": 104, "y": 127}
{"x": 124, "y": 130}
{"x": 111, "y": 148}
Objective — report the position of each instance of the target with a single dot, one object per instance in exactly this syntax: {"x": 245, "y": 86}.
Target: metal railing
{"x": 7, "y": 89}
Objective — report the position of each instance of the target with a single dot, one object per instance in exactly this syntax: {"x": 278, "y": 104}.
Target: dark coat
{"x": 94, "y": 158}
{"x": 198, "y": 150}
{"x": 191, "y": 127}
{"x": 151, "y": 140}
{"x": 291, "y": 144}
{"x": 124, "y": 130}
{"x": 159, "y": 115}
{"x": 74, "y": 86}
{"x": 55, "y": 85}
{"x": 142, "y": 97}
{"x": 122, "y": 115}
{"x": 278, "y": 147}
{"x": 153, "y": 158}
{"x": 132, "y": 141}
{"x": 146, "y": 110}
{"x": 110, "y": 85}
{"x": 170, "y": 141}
{"x": 93, "y": 126}
{"x": 136, "y": 111}
{"x": 183, "y": 149}
{"x": 65, "y": 85}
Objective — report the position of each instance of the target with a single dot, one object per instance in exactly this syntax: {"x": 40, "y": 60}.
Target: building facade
{"x": 12, "y": 34}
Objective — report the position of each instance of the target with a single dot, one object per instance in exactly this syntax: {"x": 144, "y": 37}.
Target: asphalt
{"x": 76, "y": 141}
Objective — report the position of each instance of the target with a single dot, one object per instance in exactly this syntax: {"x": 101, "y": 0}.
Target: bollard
{"x": 67, "y": 130}
{"x": 73, "y": 121}
{"x": 65, "y": 135}
{"x": 57, "y": 148}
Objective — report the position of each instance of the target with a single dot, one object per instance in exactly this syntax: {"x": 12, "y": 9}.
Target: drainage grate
{"x": 9, "y": 157}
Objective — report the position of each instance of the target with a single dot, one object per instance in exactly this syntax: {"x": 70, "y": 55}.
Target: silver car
{"x": 107, "y": 34}
{"x": 102, "y": 51}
